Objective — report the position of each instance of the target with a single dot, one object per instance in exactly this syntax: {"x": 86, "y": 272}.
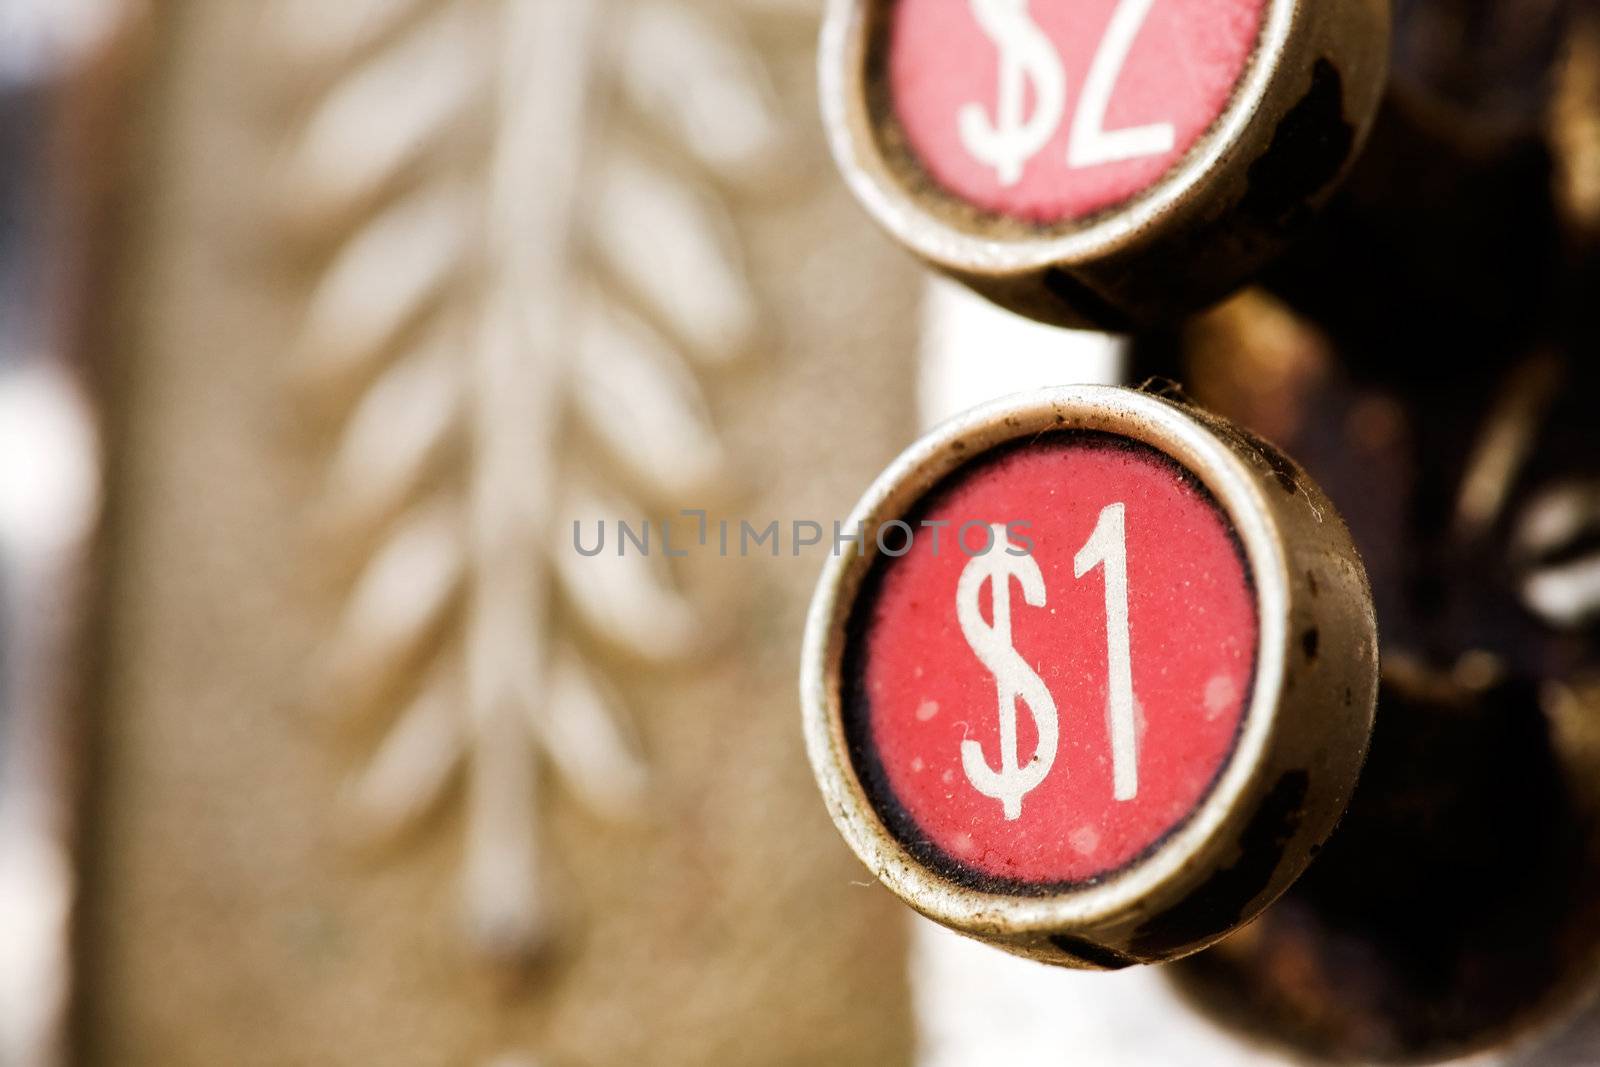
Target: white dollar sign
{"x": 1014, "y": 680}
{"x": 1026, "y": 57}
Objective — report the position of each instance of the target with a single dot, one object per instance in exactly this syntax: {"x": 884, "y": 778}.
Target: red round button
{"x": 1052, "y": 111}
{"x": 1043, "y": 713}
{"x": 1099, "y": 682}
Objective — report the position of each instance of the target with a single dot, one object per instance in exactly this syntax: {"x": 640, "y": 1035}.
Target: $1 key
{"x": 1099, "y": 681}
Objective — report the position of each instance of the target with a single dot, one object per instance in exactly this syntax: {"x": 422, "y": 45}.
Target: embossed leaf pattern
{"x": 474, "y": 301}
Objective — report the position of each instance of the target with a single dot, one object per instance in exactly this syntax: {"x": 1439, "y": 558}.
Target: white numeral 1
{"x": 1108, "y": 545}
{"x": 1090, "y": 143}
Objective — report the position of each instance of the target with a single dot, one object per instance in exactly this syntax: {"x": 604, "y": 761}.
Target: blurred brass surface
{"x": 223, "y": 917}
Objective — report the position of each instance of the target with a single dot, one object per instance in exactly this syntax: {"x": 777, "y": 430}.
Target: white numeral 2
{"x": 1108, "y": 545}
{"x": 1091, "y": 143}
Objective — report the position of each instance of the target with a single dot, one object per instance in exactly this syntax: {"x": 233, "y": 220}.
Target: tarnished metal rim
{"x": 841, "y": 78}
{"x": 1137, "y": 416}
